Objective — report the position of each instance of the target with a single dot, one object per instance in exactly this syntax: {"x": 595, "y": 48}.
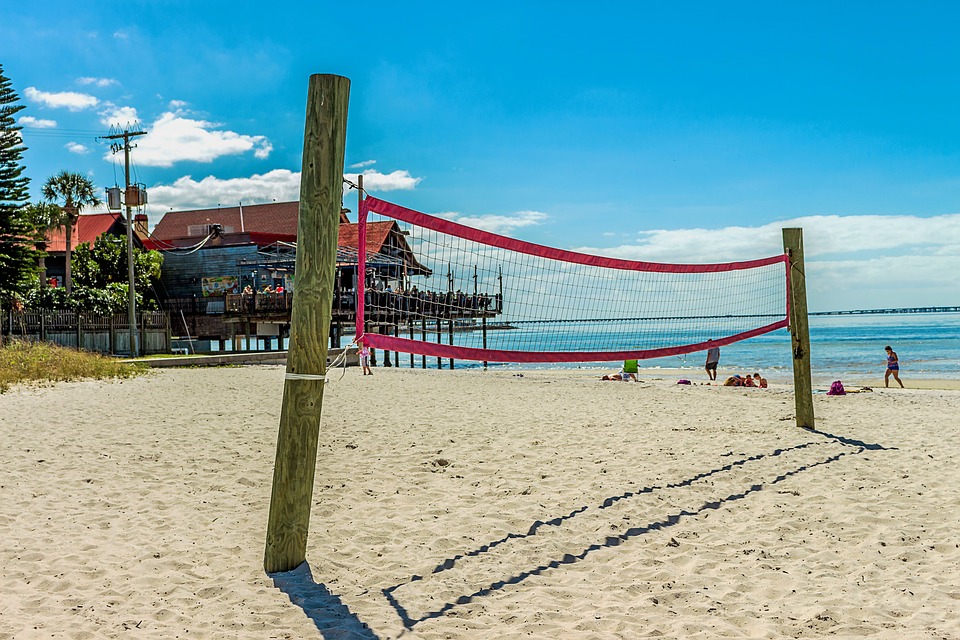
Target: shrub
{"x": 22, "y": 361}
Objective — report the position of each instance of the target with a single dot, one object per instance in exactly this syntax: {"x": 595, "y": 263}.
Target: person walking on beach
{"x": 893, "y": 367}
{"x": 713, "y": 359}
{"x": 365, "y": 359}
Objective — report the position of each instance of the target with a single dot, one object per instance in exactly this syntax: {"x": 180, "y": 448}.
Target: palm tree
{"x": 75, "y": 192}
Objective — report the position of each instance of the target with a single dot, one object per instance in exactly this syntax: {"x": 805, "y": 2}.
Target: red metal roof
{"x": 279, "y": 218}
{"x": 276, "y": 218}
{"x": 264, "y": 224}
{"x": 377, "y": 233}
{"x": 227, "y": 239}
{"x": 88, "y": 228}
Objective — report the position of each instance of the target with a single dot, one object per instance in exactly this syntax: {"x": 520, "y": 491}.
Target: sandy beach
{"x": 470, "y": 504}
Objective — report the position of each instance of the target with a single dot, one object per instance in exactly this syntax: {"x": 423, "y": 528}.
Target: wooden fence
{"x": 91, "y": 332}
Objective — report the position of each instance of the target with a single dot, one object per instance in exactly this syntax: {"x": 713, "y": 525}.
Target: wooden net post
{"x": 321, "y": 195}
{"x": 799, "y": 327}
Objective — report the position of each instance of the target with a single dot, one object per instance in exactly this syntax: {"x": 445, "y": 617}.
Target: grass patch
{"x": 22, "y": 361}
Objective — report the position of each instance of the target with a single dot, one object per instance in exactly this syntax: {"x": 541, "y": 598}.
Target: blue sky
{"x": 678, "y": 133}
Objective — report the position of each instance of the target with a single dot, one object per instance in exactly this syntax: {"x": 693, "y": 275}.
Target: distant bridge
{"x": 860, "y": 312}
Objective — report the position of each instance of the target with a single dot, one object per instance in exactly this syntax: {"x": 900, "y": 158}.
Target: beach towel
{"x": 683, "y": 381}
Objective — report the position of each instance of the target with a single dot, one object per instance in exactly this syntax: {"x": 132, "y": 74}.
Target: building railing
{"x": 378, "y": 304}
{"x": 254, "y": 303}
{"x": 108, "y": 334}
{"x": 416, "y": 305}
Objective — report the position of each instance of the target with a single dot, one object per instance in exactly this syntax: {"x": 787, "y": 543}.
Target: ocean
{"x": 851, "y": 346}
{"x": 842, "y": 346}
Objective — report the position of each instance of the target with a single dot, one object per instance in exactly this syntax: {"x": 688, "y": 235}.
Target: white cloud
{"x": 361, "y": 165}
{"x": 852, "y": 261}
{"x": 30, "y": 121}
{"x": 118, "y": 116}
{"x": 823, "y": 236}
{"x": 888, "y": 272}
{"x": 97, "y": 82}
{"x": 279, "y": 185}
{"x": 76, "y": 147}
{"x": 373, "y": 180}
{"x": 174, "y": 137}
{"x": 497, "y": 223}
{"x": 121, "y": 35}
{"x": 828, "y": 235}
{"x": 65, "y": 99}
{"x": 263, "y": 150}
{"x": 177, "y": 105}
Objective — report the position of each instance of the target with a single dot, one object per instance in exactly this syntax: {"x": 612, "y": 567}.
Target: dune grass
{"x": 22, "y": 361}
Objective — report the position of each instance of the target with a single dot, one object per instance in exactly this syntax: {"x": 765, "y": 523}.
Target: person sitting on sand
{"x": 747, "y": 381}
{"x": 759, "y": 381}
{"x": 732, "y": 381}
{"x": 622, "y": 376}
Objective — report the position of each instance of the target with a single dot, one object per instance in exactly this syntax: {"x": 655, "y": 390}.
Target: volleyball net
{"x": 427, "y": 285}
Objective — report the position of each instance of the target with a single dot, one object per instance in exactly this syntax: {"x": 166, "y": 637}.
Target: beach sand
{"x": 470, "y": 504}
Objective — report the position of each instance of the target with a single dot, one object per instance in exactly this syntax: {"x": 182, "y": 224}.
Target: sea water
{"x": 841, "y": 346}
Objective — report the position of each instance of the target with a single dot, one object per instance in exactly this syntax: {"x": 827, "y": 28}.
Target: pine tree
{"x": 18, "y": 253}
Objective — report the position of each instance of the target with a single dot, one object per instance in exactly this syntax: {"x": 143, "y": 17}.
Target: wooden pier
{"x": 861, "y": 312}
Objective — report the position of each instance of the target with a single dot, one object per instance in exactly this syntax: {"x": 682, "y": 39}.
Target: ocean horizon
{"x": 851, "y": 346}
{"x": 841, "y": 346}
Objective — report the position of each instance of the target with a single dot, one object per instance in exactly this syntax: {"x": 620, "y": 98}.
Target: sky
{"x": 669, "y": 132}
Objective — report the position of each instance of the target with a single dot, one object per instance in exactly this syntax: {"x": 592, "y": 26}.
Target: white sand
{"x": 480, "y": 505}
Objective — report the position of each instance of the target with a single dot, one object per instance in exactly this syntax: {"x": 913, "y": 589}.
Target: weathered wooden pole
{"x": 483, "y": 322}
{"x": 423, "y": 336}
{"x": 396, "y": 354}
{"x": 799, "y": 327}
{"x": 321, "y": 189}
{"x": 450, "y": 329}
{"x": 439, "y": 341}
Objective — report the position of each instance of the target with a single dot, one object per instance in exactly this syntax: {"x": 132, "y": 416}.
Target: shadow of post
{"x": 852, "y": 447}
{"x": 850, "y": 442}
{"x": 332, "y": 617}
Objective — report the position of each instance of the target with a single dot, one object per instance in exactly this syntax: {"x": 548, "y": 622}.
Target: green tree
{"x": 18, "y": 238}
{"x": 75, "y": 192}
{"x": 106, "y": 262}
{"x": 100, "y": 279}
{"x": 101, "y": 275}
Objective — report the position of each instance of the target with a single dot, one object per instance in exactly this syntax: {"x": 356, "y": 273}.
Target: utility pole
{"x": 128, "y": 199}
